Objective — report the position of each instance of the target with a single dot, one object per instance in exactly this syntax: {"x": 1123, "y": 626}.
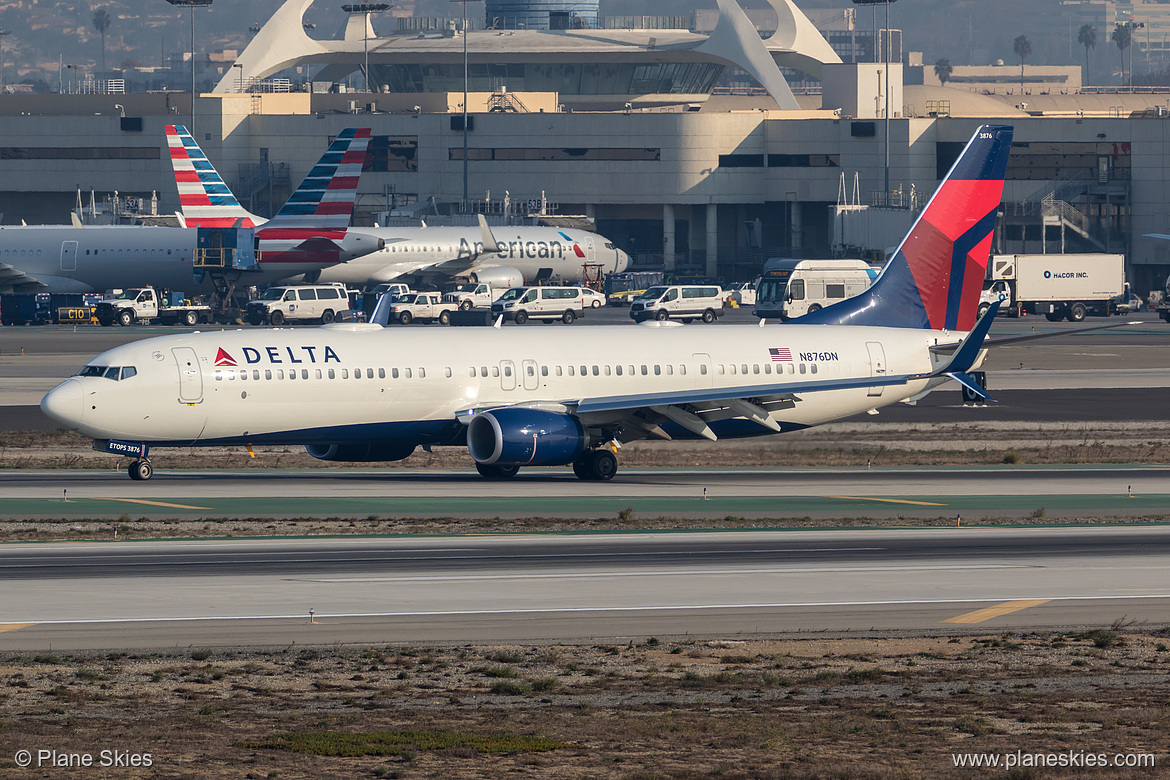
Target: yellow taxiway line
{"x": 1006, "y": 608}
{"x": 13, "y": 626}
{"x": 888, "y": 500}
{"x": 155, "y": 503}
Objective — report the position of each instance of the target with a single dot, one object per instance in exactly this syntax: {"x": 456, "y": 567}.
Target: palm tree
{"x": 1023, "y": 48}
{"x": 101, "y": 23}
{"x": 943, "y": 70}
{"x": 1087, "y": 37}
{"x": 1123, "y": 38}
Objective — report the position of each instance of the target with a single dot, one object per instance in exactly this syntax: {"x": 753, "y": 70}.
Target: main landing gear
{"x": 592, "y": 466}
{"x": 596, "y": 466}
{"x": 140, "y": 470}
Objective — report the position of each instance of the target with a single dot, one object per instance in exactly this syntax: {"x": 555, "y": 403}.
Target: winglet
{"x": 964, "y": 357}
{"x": 381, "y": 314}
{"x": 489, "y": 241}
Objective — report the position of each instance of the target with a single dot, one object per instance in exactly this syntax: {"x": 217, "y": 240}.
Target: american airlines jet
{"x": 518, "y": 397}
{"x": 518, "y": 255}
{"x": 309, "y": 233}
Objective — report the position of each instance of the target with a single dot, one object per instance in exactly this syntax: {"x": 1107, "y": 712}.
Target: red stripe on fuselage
{"x": 217, "y": 221}
{"x": 301, "y": 234}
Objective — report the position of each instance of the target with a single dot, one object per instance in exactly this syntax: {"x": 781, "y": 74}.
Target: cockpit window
{"x": 109, "y": 372}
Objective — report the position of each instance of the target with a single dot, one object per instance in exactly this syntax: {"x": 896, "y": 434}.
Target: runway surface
{"x": 769, "y": 493}
{"x": 571, "y": 588}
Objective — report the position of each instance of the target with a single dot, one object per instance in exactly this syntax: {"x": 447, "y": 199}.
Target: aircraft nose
{"x": 623, "y": 261}
{"x": 65, "y": 403}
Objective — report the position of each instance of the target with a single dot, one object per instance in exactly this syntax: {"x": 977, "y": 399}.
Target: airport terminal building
{"x": 627, "y": 126}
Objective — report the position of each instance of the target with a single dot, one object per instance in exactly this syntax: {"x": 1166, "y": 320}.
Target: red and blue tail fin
{"x": 934, "y": 279}
{"x": 205, "y": 199}
{"x": 326, "y": 197}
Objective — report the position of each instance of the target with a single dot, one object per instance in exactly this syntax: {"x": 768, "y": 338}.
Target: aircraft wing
{"x": 17, "y": 280}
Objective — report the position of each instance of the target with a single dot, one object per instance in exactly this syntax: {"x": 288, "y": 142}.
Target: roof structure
{"x": 586, "y": 64}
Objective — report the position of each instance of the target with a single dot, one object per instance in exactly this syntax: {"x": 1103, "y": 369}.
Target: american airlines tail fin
{"x": 205, "y": 198}
{"x": 325, "y": 198}
{"x": 935, "y": 277}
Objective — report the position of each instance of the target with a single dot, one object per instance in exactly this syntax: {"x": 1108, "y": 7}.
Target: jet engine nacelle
{"x": 517, "y": 436}
{"x": 360, "y": 453}
{"x": 500, "y": 277}
{"x": 354, "y": 244}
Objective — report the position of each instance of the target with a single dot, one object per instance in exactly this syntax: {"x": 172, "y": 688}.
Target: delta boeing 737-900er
{"x": 519, "y": 255}
{"x": 309, "y": 233}
{"x": 517, "y": 397}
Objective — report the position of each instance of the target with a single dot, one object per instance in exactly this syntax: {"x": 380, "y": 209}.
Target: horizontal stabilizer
{"x": 967, "y": 381}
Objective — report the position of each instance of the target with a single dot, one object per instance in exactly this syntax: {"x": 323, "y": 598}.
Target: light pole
{"x": 464, "y": 32}
{"x": 3, "y": 34}
{"x": 192, "y": 4}
{"x": 365, "y": 9}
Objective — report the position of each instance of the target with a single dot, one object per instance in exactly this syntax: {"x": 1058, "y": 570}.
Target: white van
{"x": 542, "y": 303}
{"x": 310, "y": 302}
{"x": 681, "y": 301}
{"x": 790, "y": 287}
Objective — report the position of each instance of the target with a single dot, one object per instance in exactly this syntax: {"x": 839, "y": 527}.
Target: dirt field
{"x": 795, "y": 708}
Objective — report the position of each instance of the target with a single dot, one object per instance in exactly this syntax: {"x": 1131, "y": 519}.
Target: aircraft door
{"x": 531, "y": 374}
{"x": 877, "y": 365}
{"x": 702, "y": 367}
{"x": 68, "y": 255}
{"x": 190, "y": 375}
{"x": 507, "y": 375}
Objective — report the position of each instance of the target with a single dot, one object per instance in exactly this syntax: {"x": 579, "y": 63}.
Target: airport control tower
{"x": 541, "y": 14}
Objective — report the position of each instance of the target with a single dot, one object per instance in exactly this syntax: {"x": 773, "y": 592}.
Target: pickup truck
{"x": 425, "y": 307}
{"x": 473, "y": 295}
{"x": 142, "y": 304}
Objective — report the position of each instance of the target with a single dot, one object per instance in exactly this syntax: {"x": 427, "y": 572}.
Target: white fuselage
{"x": 537, "y": 252}
{"x": 303, "y": 386}
{"x": 68, "y": 259}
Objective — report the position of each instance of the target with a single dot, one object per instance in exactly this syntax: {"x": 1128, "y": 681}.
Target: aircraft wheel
{"x": 191, "y": 318}
{"x": 521, "y": 317}
{"x": 326, "y": 316}
{"x": 581, "y": 468}
{"x": 465, "y": 306}
{"x": 444, "y": 318}
{"x": 567, "y": 318}
{"x": 495, "y": 471}
{"x": 602, "y": 465}
{"x": 708, "y": 316}
{"x": 140, "y": 470}
{"x": 276, "y": 318}
{"x": 126, "y": 317}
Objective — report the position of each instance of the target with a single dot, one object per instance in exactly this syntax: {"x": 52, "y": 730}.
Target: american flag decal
{"x": 780, "y": 354}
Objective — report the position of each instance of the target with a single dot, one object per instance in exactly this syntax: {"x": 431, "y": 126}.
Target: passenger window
{"x": 558, "y": 370}
{"x": 584, "y": 370}
{"x": 218, "y": 377}
{"x": 755, "y": 368}
{"x": 407, "y": 373}
{"x": 471, "y": 371}
{"x": 243, "y": 374}
{"x": 703, "y": 368}
{"x": 644, "y": 371}
{"x": 292, "y": 374}
{"x": 571, "y": 373}
{"x": 720, "y": 369}
{"x": 802, "y": 368}
{"x": 369, "y": 373}
{"x": 381, "y": 373}
{"x": 814, "y": 368}
{"x": 607, "y": 370}
{"x": 268, "y": 373}
{"x": 618, "y": 367}
{"x": 732, "y": 367}
{"x": 683, "y": 369}
{"x": 304, "y": 373}
{"x": 657, "y": 370}
{"x": 256, "y": 374}
{"x": 767, "y": 368}
{"x": 507, "y": 371}
{"x": 632, "y": 372}
{"x": 595, "y": 371}
{"x": 448, "y": 372}
{"x": 332, "y": 375}
{"x": 743, "y": 368}
{"x": 422, "y": 373}
{"x": 495, "y": 371}
{"x": 544, "y": 370}
{"x": 394, "y": 373}
{"x": 530, "y": 370}
{"x": 669, "y": 370}
{"x": 483, "y": 371}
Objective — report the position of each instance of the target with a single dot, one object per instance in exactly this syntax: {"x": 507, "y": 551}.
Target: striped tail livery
{"x": 934, "y": 279}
